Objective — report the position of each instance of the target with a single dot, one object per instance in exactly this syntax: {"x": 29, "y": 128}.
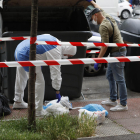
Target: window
{"x": 120, "y": 1}
{"x": 89, "y": 8}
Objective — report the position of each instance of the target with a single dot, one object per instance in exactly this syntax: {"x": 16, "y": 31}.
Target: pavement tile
{"x": 74, "y": 112}
{"x": 16, "y": 114}
{"x": 133, "y": 110}
{"x": 129, "y": 122}
{"x": 128, "y": 119}
{"x": 135, "y": 129}
{"x": 84, "y": 103}
{"x": 121, "y": 137}
{"x": 109, "y": 128}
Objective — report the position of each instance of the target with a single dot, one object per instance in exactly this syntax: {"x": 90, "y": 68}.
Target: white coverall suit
{"x": 43, "y": 52}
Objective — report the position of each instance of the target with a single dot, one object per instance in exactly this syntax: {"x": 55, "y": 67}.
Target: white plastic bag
{"x": 52, "y": 102}
{"x": 98, "y": 115}
{"x": 56, "y": 109}
{"x": 65, "y": 102}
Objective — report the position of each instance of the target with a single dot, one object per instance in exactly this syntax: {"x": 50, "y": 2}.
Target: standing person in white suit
{"x": 43, "y": 52}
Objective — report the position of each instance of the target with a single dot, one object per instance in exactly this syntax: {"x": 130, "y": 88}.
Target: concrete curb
{"x": 121, "y": 137}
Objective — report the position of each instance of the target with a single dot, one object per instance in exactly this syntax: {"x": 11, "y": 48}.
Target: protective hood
{"x": 49, "y": 3}
{"x": 71, "y": 50}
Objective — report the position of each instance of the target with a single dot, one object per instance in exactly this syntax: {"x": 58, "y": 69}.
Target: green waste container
{"x": 130, "y": 31}
{"x": 67, "y": 23}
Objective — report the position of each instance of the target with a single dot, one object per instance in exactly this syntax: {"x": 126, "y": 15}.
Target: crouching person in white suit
{"x": 43, "y": 52}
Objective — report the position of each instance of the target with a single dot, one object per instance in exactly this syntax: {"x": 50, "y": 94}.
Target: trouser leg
{"x": 112, "y": 83}
{"x": 20, "y": 84}
{"x": 39, "y": 91}
{"x": 118, "y": 72}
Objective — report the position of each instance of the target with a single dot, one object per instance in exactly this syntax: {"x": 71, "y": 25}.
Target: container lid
{"x": 131, "y": 25}
{"x": 49, "y": 3}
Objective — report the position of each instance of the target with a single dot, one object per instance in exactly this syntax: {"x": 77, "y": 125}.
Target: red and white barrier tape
{"x": 90, "y": 51}
{"x": 69, "y": 61}
{"x": 14, "y": 38}
{"x": 71, "y": 43}
{"x": 87, "y": 44}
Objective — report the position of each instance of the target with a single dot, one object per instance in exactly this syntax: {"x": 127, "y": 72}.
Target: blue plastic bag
{"x": 45, "y": 107}
{"x": 94, "y": 107}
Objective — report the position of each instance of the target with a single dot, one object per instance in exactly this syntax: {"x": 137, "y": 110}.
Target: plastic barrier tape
{"x": 14, "y": 38}
{"x": 87, "y": 44}
{"x": 69, "y": 61}
{"x": 33, "y": 40}
{"x": 72, "y": 43}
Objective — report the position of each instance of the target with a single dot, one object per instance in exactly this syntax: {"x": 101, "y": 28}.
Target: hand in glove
{"x": 96, "y": 66}
{"x": 58, "y": 96}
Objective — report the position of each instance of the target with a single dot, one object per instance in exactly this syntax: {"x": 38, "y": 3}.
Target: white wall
{"x": 109, "y": 6}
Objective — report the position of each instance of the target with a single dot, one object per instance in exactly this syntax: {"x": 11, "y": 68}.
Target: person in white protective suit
{"x": 43, "y": 52}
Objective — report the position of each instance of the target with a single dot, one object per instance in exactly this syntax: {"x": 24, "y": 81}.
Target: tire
{"x": 89, "y": 68}
{"x": 125, "y": 14}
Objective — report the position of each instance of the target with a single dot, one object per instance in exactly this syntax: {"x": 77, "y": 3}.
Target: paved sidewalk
{"x": 130, "y": 120}
{"x": 122, "y": 137}
{"x": 117, "y": 123}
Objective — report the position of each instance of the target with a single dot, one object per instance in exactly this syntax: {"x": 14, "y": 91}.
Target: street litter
{"x": 98, "y": 115}
{"x": 65, "y": 102}
{"x": 95, "y": 107}
{"x": 45, "y": 107}
{"x": 94, "y": 110}
{"x": 54, "y": 108}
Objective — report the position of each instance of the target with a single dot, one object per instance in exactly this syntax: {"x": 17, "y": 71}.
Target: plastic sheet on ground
{"x": 94, "y": 107}
{"x": 54, "y": 108}
{"x": 99, "y": 116}
{"x": 94, "y": 110}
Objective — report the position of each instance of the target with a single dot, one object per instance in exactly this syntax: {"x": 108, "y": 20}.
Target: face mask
{"x": 94, "y": 22}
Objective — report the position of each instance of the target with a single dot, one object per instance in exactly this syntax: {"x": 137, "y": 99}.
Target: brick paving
{"x": 128, "y": 119}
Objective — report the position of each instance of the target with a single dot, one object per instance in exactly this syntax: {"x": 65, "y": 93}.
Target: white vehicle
{"x": 124, "y": 9}
{"x": 109, "y": 6}
{"x": 89, "y": 68}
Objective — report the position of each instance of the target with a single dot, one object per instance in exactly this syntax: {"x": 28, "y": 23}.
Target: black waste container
{"x": 62, "y": 22}
{"x": 130, "y": 30}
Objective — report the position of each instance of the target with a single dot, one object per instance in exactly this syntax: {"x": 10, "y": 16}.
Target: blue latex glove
{"x": 96, "y": 66}
{"x": 58, "y": 96}
{"x": 89, "y": 0}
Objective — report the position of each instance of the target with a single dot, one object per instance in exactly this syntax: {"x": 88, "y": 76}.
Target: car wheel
{"x": 125, "y": 14}
{"x": 89, "y": 68}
